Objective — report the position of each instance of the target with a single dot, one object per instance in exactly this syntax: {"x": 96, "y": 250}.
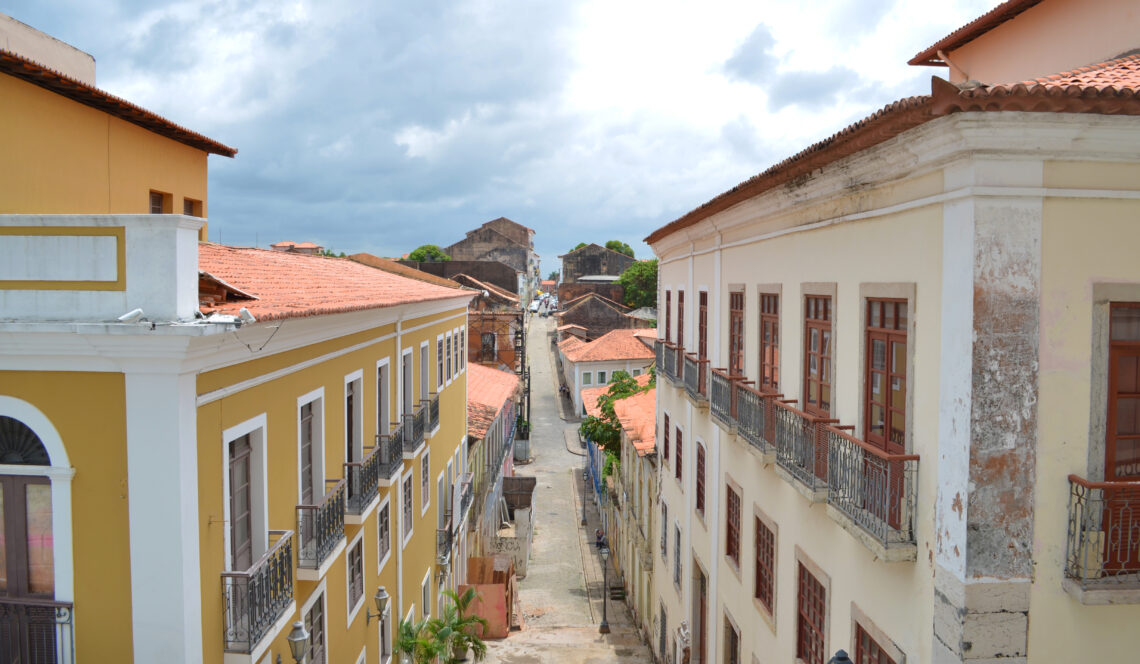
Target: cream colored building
{"x": 908, "y": 428}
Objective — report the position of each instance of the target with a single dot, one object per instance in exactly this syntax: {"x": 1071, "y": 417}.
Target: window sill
{"x": 764, "y": 614}
{"x": 1100, "y": 594}
{"x": 358, "y": 519}
{"x": 310, "y": 574}
{"x": 733, "y": 567}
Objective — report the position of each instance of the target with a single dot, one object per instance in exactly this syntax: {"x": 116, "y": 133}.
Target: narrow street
{"x": 561, "y": 596}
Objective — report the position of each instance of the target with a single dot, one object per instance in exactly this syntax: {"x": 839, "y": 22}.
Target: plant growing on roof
{"x": 605, "y": 431}
{"x": 428, "y": 253}
{"x": 620, "y": 247}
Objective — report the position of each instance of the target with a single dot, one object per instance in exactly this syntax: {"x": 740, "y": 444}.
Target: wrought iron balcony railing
{"x": 36, "y": 630}
{"x": 255, "y": 599}
{"x": 755, "y": 416}
{"x": 801, "y": 445}
{"x": 659, "y": 354}
{"x": 874, "y": 489}
{"x": 670, "y": 367}
{"x": 1102, "y": 550}
{"x": 433, "y": 412}
{"x": 466, "y": 495}
{"x": 419, "y": 422}
{"x": 696, "y": 377}
{"x": 443, "y": 539}
{"x": 363, "y": 481}
{"x": 720, "y": 397}
{"x": 407, "y": 424}
{"x": 390, "y": 453}
{"x": 320, "y": 527}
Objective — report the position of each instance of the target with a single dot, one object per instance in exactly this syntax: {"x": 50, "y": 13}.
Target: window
{"x": 677, "y": 460}
{"x": 383, "y": 532}
{"x": 425, "y": 596}
{"x": 867, "y": 651}
{"x": 307, "y": 480}
{"x": 383, "y": 400}
{"x": 241, "y": 503}
{"x": 26, "y": 516}
{"x": 353, "y": 418}
{"x": 885, "y": 415}
{"x": 769, "y": 342}
{"x": 191, "y": 207}
{"x": 703, "y": 325}
{"x": 1122, "y": 439}
{"x": 700, "y": 479}
{"x": 664, "y": 531}
{"x": 736, "y": 334}
{"x": 161, "y": 203}
{"x": 425, "y": 371}
{"x": 386, "y": 635}
{"x": 677, "y": 556}
{"x": 812, "y": 607}
{"x": 406, "y": 382}
{"x": 406, "y": 513}
{"x": 661, "y": 652}
{"x": 440, "y": 377}
{"x": 636, "y": 373}
{"x": 817, "y": 358}
{"x": 765, "y": 565}
{"x": 355, "y": 571}
{"x": 448, "y": 346}
{"x": 732, "y": 525}
{"x": 668, "y": 315}
{"x": 587, "y": 378}
{"x": 243, "y": 485}
{"x": 731, "y": 642}
{"x": 680, "y": 319}
{"x": 315, "y": 626}
{"x": 487, "y": 351}
{"x": 601, "y": 378}
{"x": 665, "y": 440}
{"x": 462, "y": 360}
{"x": 425, "y": 481}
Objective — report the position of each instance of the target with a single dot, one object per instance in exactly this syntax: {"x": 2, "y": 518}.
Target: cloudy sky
{"x": 379, "y": 126}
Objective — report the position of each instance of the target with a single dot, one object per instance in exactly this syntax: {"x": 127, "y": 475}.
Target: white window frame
{"x": 449, "y": 369}
{"x": 308, "y": 605}
{"x": 462, "y": 348}
{"x": 381, "y": 426}
{"x": 425, "y": 488}
{"x": 440, "y": 366}
{"x": 363, "y": 658}
{"x": 602, "y": 377}
{"x": 317, "y": 398}
{"x": 353, "y": 610}
{"x": 410, "y": 525}
{"x": 425, "y": 595}
{"x": 258, "y": 477}
{"x": 358, "y": 418}
{"x": 424, "y": 381}
{"x": 384, "y": 635}
{"x": 405, "y": 353}
{"x": 386, "y": 502}
{"x": 587, "y": 378}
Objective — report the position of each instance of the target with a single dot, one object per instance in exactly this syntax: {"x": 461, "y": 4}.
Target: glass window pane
{"x": 825, "y": 396}
{"x": 826, "y": 342}
{"x": 1126, "y": 374}
{"x": 826, "y": 374}
{"x": 814, "y": 345}
{"x": 877, "y": 419}
{"x": 879, "y": 354}
{"x": 898, "y": 393}
{"x": 889, "y": 316}
{"x": 877, "y": 386}
{"x": 875, "y": 318}
{"x": 41, "y": 566}
{"x": 898, "y": 357}
{"x": 1127, "y": 458}
{"x": 812, "y": 391}
{"x": 898, "y": 427}
{"x": 1127, "y": 415}
{"x": 1126, "y": 323}
{"x": 902, "y": 315}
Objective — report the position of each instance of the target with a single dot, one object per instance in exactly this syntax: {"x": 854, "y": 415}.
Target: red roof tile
{"x": 638, "y": 417}
{"x": 613, "y": 345}
{"x": 78, "y": 91}
{"x": 292, "y": 285}
{"x": 401, "y": 269}
{"x": 483, "y": 285}
{"x": 590, "y": 395}
{"x": 971, "y": 31}
{"x": 488, "y": 390}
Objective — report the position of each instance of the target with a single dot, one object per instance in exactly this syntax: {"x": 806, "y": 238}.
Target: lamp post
{"x": 381, "y": 601}
{"x": 604, "y": 628}
{"x": 840, "y": 658}
{"x": 298, "y": 642}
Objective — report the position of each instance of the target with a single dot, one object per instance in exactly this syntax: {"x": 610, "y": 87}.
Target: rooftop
{"x": 638, "y": 417}
{"x": 397, "y": 268}
{"x": 292, "y": 285}
{"x": 971, "y": 31}
{"x": 488, "y": 390}
{"x": 590, "y": 395}
{"x": 613, "y": 345}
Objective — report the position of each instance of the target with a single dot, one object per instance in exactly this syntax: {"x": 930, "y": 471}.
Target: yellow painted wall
{"x": 76, "y": 159}
{"x": 88, "y": 411}
{"x": 278, "y": 400}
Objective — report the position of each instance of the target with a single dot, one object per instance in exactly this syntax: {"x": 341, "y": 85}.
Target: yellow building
{"x": 200, "y": 444}
{"x": 897, "y": 379}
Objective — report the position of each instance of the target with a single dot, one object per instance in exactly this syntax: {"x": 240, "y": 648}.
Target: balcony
{"x": 433, "y": 412}
{"x": 659, "y": 354}
{"x": 1102, "y": 549}
{"x": 874, "y": 491}
{"x": 801, "y": 449}
{"x": 720, "y": 399}
{"x": 756, "y": 417}
{"x": 466, "y": 496}
{"x": 669, "y": 368}
{"x": 320, "y": 528}
{"x": 420, "y": 422}
{"x": 443, "y": 538}
{"x": 254, "y": 601}
{"x": 36, "y": 630}
{"x": 363, "y": 483}
{"x": 411, "y": 441}
{"x": 696, "y": 378}
{"x": 389, "y": 451}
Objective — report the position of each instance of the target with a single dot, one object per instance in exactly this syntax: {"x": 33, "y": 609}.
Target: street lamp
{"x": 604, "y": 628}
{"x": 840, "y": 658}
{"x": 381, "y": 601}
{"x": 298, "y": 642}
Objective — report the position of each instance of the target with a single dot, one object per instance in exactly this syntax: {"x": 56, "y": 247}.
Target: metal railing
{"x": 1102, "y": 548}
{"x": 409, "y": 434}
{"x": 696, "y": 376}
{"x": 390, "y": 453}
{"x": 363, "y": 480}
{"x": 255, "y": 599}
{"x": 720, "y": 397}
{"x": 875, "y": 489}
{"x": 433, "y": 411}
{"x": 755, "y": 416}
{"x": 801, "y": 448}
{"x": 443, "y": 539}
{"x": 659, "y": 354}
{"x": 670, "y": 356}
{"x": 36, "y": 630}
{"x": 466, "y": 495}
{"x": 320, "y": 527}
{"x": 419, "y": 422}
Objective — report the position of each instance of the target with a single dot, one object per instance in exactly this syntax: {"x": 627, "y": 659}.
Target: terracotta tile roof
{"x": 1067, "y": 93}
{"x": 569, "y": 344}
{"x": 547, "y": 283}
{"x": 78, "y": 91}
{"x": 566, "y": 306}
{"x": 562, "y": 328}
{"x": 590, "y": 395}
{"x": 638, "y": 417}
{"x": 971, "y": 31}
{"x": 400, "y": 269}
{"x": 292, "y": 285}
{"x": 488, "y": 390}
{"x": 613, "y": 345}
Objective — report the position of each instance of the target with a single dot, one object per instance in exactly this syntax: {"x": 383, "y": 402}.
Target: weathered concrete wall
{"x": 567, "y": 292}
{"x": 597, "y": 317}
{"x": 486, "y": 243}
{"x": 512, "y": 229}
{"x": 593, "y": 259}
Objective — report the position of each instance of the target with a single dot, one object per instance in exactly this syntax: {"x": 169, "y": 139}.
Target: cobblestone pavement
{"x": 561, "y": 597}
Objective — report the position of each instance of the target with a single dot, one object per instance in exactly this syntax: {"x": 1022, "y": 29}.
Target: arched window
{"x": 19, "y": 445}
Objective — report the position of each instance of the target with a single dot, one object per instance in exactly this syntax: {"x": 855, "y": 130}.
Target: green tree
{"x": 579, "y": 246}
{"x": 553, "y": 276}
{"x": 331, "y": 254}
{"x": 605, "y": 431}
{"x": 428, "y": 253}
{"x": 620, "y": 247}
{"x": 640, "y": 283}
